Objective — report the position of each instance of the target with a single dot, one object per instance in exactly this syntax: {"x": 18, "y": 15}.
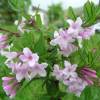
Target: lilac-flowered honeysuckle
{"x": 38, "y": 70}
{"x": 74, "y": 26}
{"x": 9, "y": 55}
{"x": 69, "y": 70}
{"x": 66, "y": 73}
{"x": 21, "y": 71}
{"x": 29, "y": 57}
{"x": 69, "y": 49}
{"x": 64, "y": 41}
{"x": 76, "y": 86}
{"x": 88, "y": 75}
{"x": 61, "y": 38}
{"x": 10, "y": 86}
{"x": 57, "y": 73}
{"x": 86, "y": 33}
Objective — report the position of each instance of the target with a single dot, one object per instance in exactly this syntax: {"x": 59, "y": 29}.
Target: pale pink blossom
{"x": 61, "y": 38}
{"x": 76, "y": 86}
{"x": 3, "y": 38}
{"x": 29, "y": 57}
{"x": 21, "y": 71}
{"x": 86, "y": 33}
{"x": 70, "y": 70}
{"x": 74, "y": 26}
{"x": 64, "y": 41}
{"x": 38, "y": 70}
{"x": 57, "y": 73}
{"x": 69, "y": 49}
{"x": 10, "y": 86}
{"x": 9, "y": 55}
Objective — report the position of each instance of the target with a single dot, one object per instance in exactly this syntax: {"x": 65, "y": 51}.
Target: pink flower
{"x": 57, "y": 73}
{"x": 74, "y": 27}
{"x": 64, "y": 41}
{"x": 69, "y": 70}
{"x": 86, "y": 33}
{"x": 66, "y": 73}
{"x": 29, "y": 57}
{"x": 76, "y": 86}
{"x": 21, "y": 71}
{"x": 69, "y": 49}
{"x": 9, "y": 55}
{"x": 88, "y": 75}
{"x": 38, "y": 69}
{"x": 61, "y": 38}
{"x": 10, "y": 86}
{"x": 3, "y": 38}
{"x": 3, "y": 41}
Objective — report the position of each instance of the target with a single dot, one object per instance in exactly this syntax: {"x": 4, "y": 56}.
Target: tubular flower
{"x": 64, "y": 41}
{"x": 10, "y": 86}
{"x": 29, "y": 57}
{"x": 88, "y": 75}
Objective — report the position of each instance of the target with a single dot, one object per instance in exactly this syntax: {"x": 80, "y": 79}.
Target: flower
{"x": 38, "y": 69}
{"x": 57, "y": 73}
{"x": 74, "y": 27}
{"x": 76, "y": 86}
{"x": 10, "y": 86}
{"x": 61, "y": 38}
{"x": 9, "y": 55}
{"x": 21, "y": 71}
{"x": 70, "y": 78}
{"x": 3, "y": 38}
{"x": 69, "y": 49}
{"x": 3, "y": 41}
{"x": 86, "y": 33}
{"x": 66, "y": 73}
{"x": 64, "y": 41}
{"x": 29, "y": 57}
{"x": 88, "y": 75}
{"x": 69, "y": 70}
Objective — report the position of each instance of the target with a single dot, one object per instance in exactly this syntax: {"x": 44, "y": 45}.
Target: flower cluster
{"x": 24, "y": 65}
{"x": 65, "y": 39}
{"x": 70, "y": 77}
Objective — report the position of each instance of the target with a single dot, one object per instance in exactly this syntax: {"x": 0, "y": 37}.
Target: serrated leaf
{"x": 89, "y": 11}
{"x": 71, "y": 13}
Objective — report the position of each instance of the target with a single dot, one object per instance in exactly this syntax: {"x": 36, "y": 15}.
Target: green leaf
{"x": 19, "y": 5}
{"x": 71, "y": 13}
{"x": 52, "y": 87}
{"x": 38, "y": 19}
{"x": 40, "y": 47}
{"x": 26, "y": 40}
{"x": 89, "y": 11}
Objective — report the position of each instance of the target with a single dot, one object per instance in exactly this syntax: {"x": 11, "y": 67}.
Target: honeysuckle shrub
{"x": 62, "y": 61}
